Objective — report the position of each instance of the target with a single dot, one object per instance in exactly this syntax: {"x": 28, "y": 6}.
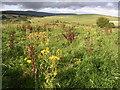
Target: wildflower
{"x": 43, "y": 51}
{"x": 95, "y": 33}
{"x": 21, "y": 64}
{"x": 98, "y": 38}
{"x": 46, "y": 51}
{"x": 77, "y": 62}
{"x": 25, "y": 59}
{"x": 54, "y": 58}
{"x": 55, "y": 73}
{"x": 29, "y": 61}
{"x": 46, "y": 43}
{"x": 47, "y": 48}
{"x": 76, "y": 59}
{"x": 59, "y": 52}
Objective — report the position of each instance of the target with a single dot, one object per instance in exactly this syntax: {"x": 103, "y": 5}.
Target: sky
{"x": 105, "y": 8}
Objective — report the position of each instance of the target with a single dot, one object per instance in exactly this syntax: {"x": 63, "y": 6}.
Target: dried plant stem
{"x": 31, "y": 52}
{"x": 12, "y": 39}
{"x": 69, "y": 36}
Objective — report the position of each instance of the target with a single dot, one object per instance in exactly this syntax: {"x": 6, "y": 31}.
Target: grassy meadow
{"x": 67, "y": 51}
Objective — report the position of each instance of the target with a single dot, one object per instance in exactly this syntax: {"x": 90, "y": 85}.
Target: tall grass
{"x": 90, "y": 60}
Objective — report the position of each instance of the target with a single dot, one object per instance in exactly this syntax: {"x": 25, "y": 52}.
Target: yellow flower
{"x": 46, "y": 51}
{"x": 95, "y": 33}
{"x": 47, "y": 48}
{"x": 43, "y": 51}
{"x": 25, "y": 59}
{"x": 21, "y": 64}
{"x": 76, "y": 59}
{"x": 29, "y": 61}
{"x": 55, "y": 73}
{"x": 59, "y": 52}
{"x": 46, "y": 43}
{"x": 77, "y": 62}
{"x": 54, "y": 58}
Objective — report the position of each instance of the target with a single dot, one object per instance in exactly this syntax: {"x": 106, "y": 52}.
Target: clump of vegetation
{"x": 4, "y": 17}
{"x": 104, "y": 22}
{"x": 69, "y": 36}
{"x": 111, "y": 25}
{"x": 28, "y": 22}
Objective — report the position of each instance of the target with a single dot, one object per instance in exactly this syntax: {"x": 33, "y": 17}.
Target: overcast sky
{"x": 104, "y": 8}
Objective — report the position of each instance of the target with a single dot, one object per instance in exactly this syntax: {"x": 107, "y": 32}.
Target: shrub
{"x": 111, "y": 25}
{"x": 102, "y": 22}
{"x": 28, "y": 21}
{"x": 4, "y": 17}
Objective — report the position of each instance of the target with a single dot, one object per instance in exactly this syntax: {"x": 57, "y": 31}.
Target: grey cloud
{"x": 72, "y": 5}
{"x": 59, "y": 0}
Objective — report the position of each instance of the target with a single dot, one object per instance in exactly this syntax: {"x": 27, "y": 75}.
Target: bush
{"x": 111, "y": 25}
{"x": 102, "y": 22}
{"x": 4, "y": 17}
{"x": 28, "y": 21}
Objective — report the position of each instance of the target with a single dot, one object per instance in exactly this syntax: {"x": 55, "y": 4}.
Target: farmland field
{"x": 67, "y": 51}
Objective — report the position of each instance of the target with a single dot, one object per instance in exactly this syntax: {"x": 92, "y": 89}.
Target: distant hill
{"x": 34, "y": 13}
{"x": 88, "y": 19}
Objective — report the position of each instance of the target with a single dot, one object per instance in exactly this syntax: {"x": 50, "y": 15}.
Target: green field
{"x": 59, "y": 52}
{"x": 81, "y": 19}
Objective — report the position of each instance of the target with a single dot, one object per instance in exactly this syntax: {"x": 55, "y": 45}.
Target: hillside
{"x": 81, "y": 19}
{"x": 41, "y": 17}
{"x": 33, "y": 13}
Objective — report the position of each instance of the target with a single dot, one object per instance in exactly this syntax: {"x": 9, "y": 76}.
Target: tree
{"x": 102, "y": 22}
